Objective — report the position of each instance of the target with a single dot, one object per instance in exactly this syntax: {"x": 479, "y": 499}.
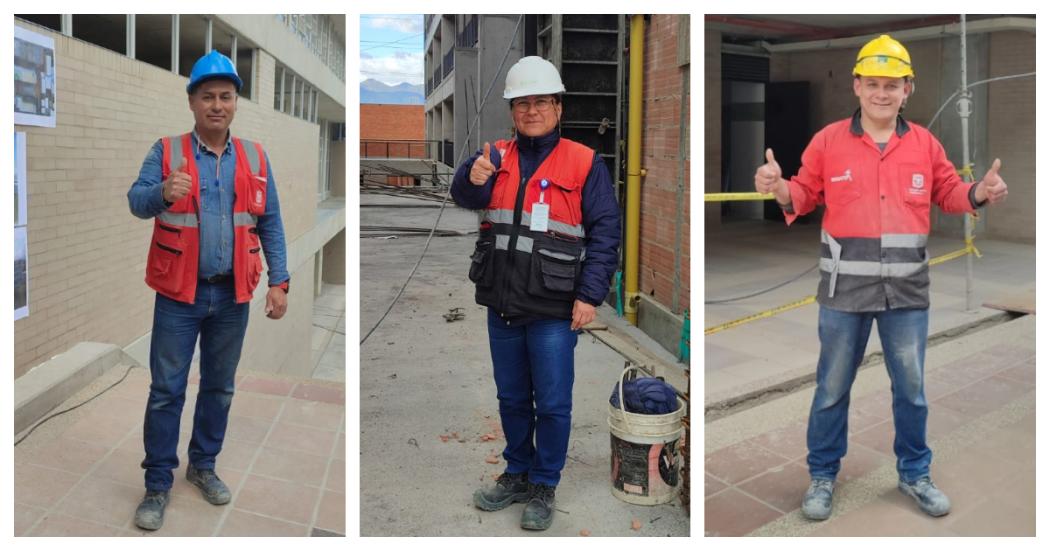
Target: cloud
{"x": 393, "y": 68}
{"x": 411, "y": 24}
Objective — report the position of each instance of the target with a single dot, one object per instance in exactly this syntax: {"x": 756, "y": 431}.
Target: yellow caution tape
{"x": 753, "y": 196}
{"x": 966, "y": 171}
{"x": 970, "y": 248}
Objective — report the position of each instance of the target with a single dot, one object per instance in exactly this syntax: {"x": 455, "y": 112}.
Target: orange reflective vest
{"x": 171, "y": 269}
{"x": 519, "y": 271}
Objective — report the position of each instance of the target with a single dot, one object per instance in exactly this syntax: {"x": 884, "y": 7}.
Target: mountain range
{"x": 373, "y": 91}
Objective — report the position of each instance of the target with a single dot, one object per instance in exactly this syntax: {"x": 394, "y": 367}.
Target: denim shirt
{"x": 146, "y": 200}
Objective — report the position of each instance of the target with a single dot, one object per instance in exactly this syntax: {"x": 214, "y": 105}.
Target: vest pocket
{"x": 481, "y": 272}
{"x": 555, "y": 267}
{"x": 165, "y": 268}
{"x": 256, "y": 195}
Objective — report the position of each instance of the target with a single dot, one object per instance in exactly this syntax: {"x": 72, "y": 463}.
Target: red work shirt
{"x": 877, "y": 215}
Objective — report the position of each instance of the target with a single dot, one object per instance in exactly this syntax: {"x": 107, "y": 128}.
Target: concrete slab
{"x": 422, "y": 377}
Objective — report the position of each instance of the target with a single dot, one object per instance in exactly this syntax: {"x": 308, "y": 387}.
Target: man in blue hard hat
{"x": 214, "y": 205}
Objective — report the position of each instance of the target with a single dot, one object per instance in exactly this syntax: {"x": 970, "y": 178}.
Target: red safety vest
{"x": 171, "y": 269}
{"x": 519, "y": 271}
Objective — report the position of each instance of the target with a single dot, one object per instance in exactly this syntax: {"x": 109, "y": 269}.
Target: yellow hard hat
{"x": 883, "y": 57}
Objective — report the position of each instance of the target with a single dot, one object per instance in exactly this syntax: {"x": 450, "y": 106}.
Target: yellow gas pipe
{"x": 634, "y": 170}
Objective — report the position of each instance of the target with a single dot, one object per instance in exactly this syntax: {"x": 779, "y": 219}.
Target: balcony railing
{"x": 447, "y": 154}
{"x": 448, "y": 63}
{"x": 468, "y": 37}
{"x": 437, "y": 76}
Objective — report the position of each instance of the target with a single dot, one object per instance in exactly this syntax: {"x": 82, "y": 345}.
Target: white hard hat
{"x": 531, "y": 76}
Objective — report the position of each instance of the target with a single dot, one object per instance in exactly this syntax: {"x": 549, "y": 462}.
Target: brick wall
{"x": 391, "y": 122}
{"x": 661, "y": 116}
{"x": 87, "y": 253}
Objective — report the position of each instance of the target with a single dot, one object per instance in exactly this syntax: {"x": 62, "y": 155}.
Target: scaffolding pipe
{"x": 965, "y": 107}
{"x": 633, "y": 201}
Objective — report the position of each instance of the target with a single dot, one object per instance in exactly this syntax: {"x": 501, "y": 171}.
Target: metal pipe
{"x": 965, "y": 107}
{"x": 634, "y": 170}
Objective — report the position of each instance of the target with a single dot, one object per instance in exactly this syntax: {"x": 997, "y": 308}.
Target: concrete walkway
{"x": 428, "y": 401}
{"x": 981, "y": 428}
{"x": 283, "y": 458}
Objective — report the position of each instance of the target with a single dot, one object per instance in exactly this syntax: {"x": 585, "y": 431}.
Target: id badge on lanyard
{"x": 540, "y": 210}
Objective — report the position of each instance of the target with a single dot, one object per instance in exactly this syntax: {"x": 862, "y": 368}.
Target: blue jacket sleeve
{"x": 271, "y": 232}
{"x": 601, "y": 223}
{"x": 146, "y": 196}
{"x": 468, "y": 195}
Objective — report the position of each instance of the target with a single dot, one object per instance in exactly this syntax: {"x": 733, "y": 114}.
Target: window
{"x": 109, "y": 31}
{"x": 53, "y": 22}
{"x": 153, "y": 39}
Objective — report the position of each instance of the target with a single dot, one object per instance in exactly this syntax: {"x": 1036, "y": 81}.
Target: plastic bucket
{"x": 646, "y": 458}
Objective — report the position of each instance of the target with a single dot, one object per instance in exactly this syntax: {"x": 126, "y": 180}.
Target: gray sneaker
{"x": 816, "y": 505}
{"x": 931, "y": 500}
{"x": 213, "y": 489}
{"x": 150, "y": 514}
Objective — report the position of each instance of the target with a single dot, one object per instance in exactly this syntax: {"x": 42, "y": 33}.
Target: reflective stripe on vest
{"x": 505, "y": 216}
{"x": 182, "y": 220}
{"x": 836, "y": 266}
{"x": 244, "y": 219}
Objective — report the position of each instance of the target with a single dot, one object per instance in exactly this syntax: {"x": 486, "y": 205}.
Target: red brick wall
{"x": 391, "y": 122}
{"x": 660, "y": 145}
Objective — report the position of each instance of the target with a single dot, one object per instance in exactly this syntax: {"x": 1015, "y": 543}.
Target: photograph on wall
{"x": 34, "y": 79}
{"x": 21, "y": 275}
{"x": 20, "y": 179}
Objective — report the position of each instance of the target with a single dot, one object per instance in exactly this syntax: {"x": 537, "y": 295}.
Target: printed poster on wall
{"x": 34, "y": 79}
{"x": 21, "y": 275}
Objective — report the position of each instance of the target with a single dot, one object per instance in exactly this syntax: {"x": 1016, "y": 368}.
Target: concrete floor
{"x": 422, "y": 377}
{"x": 744, "y": 256}
{"x": 328, "y": 339}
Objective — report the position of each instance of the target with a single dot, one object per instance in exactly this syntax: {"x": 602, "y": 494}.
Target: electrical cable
{"x": 53, "y": 415}
{"x": 978, "y": 83}
{"x": 763, "y": 291}
{"x": 444, "y": 201}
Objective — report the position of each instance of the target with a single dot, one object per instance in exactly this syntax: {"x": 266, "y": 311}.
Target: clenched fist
{"x": 178, "y": 183}
{"x": 483, "y": 168}
{"x": 991, "y": 187}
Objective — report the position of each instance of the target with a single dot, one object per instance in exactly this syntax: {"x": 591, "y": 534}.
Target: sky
{"x": 392, "y": 48}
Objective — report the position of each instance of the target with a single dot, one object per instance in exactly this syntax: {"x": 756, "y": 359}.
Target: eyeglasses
{"x": 524, "y": 106}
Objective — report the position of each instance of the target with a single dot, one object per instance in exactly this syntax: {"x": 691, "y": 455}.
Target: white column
{"x": 129, "y": 47}
{"x": 175, "y": 43}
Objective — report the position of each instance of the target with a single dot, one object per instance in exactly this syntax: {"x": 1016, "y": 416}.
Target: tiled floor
{"x": 283, "y": 460}
{"x": 328, "y": 338}
{"x": 981, "y": 428}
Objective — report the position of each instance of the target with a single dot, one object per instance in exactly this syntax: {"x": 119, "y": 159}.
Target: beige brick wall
{"x": 87, "y": 252}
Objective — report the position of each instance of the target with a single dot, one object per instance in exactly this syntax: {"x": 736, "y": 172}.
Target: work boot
{"x": 932, "y": 501}
{"x": 816, "y": 505}
{"x": 539, "y": 511}
{"x": 213, "y": 489}
{"x": 509, "y": 488}
{"x": 150, "y": 514}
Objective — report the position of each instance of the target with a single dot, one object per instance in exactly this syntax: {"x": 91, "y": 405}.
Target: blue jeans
{"x": 221, "y": 324}
{"x": 533, "y": 368}
{"x": 843, "y": 337}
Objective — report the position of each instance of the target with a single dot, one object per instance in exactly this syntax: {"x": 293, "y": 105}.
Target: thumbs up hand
{"x": 992, "y": 187}
{"x": 483, "y": 168}
{"x": 178, "y": 183}
{"x": 770, "y": 179}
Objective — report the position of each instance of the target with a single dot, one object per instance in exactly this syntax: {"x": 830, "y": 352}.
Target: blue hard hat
{"x": 212, "y": 66}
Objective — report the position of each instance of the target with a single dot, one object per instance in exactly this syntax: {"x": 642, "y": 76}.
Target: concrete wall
{"x": 665, "y": 188}
{"x": 712, "y": 123}
{"x": 334, "y": 266}
{"x": 87, "y": 253}
{"x": 1011, "y": 135}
